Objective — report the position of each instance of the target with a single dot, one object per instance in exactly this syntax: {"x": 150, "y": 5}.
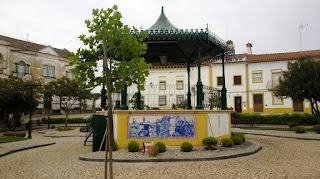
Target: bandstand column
{"x": 124, "y": 105}
{"x": 199, "y": 83}
{"x": 224, "y": 90}
{"x": 138, "y": 99}
{"x": 189, "y": 93}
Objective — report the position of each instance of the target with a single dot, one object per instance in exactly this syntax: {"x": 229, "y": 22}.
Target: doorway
{"x": 238, "y": 104}
{"x": 257, "y": 103}
{"x": 298, "y": 106}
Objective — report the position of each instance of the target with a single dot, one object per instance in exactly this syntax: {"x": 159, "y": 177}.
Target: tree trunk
{"x": 66, "y": 122}
{"x": 60, "y": 105}
{"x": 110, "y": 118}
{"x": 93, "y": 105}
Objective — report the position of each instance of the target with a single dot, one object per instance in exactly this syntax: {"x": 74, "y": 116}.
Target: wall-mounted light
{"x": 163, "y": 59}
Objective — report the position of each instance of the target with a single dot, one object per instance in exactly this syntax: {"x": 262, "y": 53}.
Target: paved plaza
{"x": 279, "y": 158}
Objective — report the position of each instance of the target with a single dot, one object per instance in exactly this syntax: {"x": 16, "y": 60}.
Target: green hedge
{"x": 281, "y": 119}
{"x": 14, "y": 133}
{"x": 74, "y": 120}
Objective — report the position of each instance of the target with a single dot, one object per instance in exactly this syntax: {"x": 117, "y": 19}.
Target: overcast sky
{"x": 272, "y": 26}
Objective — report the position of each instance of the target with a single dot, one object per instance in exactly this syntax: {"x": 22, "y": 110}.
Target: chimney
{"x": 249, "y": 50}
{"x": 229, "y": 44}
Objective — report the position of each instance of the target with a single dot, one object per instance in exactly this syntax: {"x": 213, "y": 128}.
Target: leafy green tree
{"x": 302, "y": 81}
{"x": 15, "y": 99}
{"x": 69, "y": 91}
{"x": 112, "y": 42}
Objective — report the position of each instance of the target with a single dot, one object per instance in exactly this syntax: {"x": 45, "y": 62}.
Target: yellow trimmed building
{"x": 250, "y": 82}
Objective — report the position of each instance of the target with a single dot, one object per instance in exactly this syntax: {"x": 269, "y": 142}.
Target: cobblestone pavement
{"x": 281, "y": 158}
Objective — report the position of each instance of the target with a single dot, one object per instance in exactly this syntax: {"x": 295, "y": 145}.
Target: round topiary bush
{"x": 241, "y": 135}
{"x": 133, "y": 146}
{"x": 236, "y": 140}
{"x": 115, "y": 146}
{"x": 209, "y": 142}
{"x": 317, "y": 128}
{"x": 299, "y": 129}
{"x": 162, "y": 147}
{"x": 227, "y": 143}
{"x": 186, "y": 147}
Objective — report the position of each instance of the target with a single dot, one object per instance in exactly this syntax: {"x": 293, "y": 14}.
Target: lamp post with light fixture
{"x": 27, "y": 79}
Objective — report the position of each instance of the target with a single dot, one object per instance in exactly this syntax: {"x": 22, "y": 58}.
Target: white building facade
{"x": 249, "y": 79}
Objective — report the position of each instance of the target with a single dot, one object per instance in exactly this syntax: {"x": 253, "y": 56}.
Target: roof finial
{"x": 162, "y": 10}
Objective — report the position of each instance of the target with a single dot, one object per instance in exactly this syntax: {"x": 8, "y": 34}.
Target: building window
{"x": 45, "y": 70}
{"x": 180, "y": 85}
{"x": 276, "y": 75}
{"x": 162, "y": 85}
{"x": 69, "y": 75}
{"x": 51, "y": 71}
{"x": 22, "y": 69}
{"x": 180, "y": 99}
{"x": 276, "y": 100}
{"x": 237, "y": 80}
{"x": 219, "y": 81}
{"x": 257, "y": 76}
{"x": 162, "y": 100}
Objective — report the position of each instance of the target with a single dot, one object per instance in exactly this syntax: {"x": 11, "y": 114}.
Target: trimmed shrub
{"x": 8, "y": 133}
{"x": 241, "y": 135}
{"x": 154, "y": 150}
{"x": 281, "y": 119}
{"x": 16, "y": 134}
{"x": 61, "y": 120}
{"x": 114, "y": 146}
{"x": 236, "y": 140}
{"x": 209, "y": 142}
{"x": 299, "y": 129}
{"x": 53, "y": 126}
{"x": 186, "y": 147}
{"x": 317, "y": 128}
{"x": 227, "y": 143}
{"x": 162, "y": 147}
{"x": 133, "y": 146}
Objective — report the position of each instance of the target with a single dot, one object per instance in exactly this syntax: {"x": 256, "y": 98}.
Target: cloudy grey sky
{"x": 272, "y": 26}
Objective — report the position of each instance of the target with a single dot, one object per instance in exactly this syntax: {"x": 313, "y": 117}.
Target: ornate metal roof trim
{"x": 181, "y": 34}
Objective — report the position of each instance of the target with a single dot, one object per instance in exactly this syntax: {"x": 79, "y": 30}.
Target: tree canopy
{"x": 15, "y": 99}
{"x": 122, "y": 52}
{"x": 70, "y": 91}
{"x": 302, "y": 81}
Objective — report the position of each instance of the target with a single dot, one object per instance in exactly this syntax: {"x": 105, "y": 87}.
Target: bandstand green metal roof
{"x": 179, "y": 45}
{"x": 162, "y": 23}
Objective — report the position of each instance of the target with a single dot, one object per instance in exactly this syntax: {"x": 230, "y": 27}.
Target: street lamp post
{"x": 47, "y": 105}
{"x": 28, "y": 78}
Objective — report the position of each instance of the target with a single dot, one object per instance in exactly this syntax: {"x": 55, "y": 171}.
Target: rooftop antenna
{"x": 226, "y": 32}
{"x": 301, "y": 26}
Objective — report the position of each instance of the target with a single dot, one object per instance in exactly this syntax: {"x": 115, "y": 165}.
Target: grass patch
{"x": 6, "y": 139}
{"x": 273, "y": 128}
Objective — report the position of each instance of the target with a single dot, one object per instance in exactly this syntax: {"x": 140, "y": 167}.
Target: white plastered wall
{"x": 218, "y": 124}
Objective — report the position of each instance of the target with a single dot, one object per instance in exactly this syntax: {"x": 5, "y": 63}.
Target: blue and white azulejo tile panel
{"x": 161, "y": 126}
